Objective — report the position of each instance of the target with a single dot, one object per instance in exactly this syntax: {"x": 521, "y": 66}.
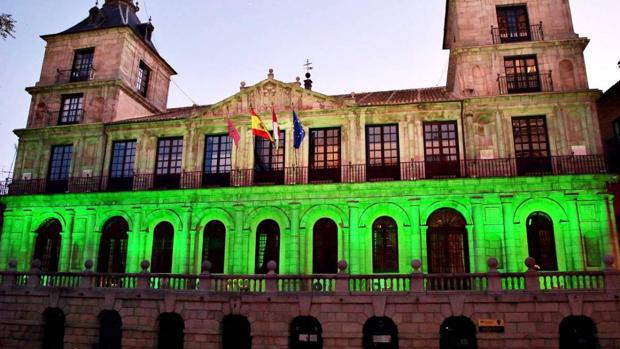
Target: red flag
{"x": 276, "y": 127}
{"x": 233, "y": 133}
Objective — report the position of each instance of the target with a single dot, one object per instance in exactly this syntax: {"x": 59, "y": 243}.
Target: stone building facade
{"x": 466, "y": 181}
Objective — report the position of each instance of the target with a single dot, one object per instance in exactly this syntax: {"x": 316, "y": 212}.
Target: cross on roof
{"x": 308, "y": 65}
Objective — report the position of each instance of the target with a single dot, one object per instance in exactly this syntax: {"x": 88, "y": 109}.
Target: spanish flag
{"x": 258, "y": 128}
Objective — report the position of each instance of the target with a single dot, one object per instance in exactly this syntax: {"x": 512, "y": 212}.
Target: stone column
{"x": 609, "y": 237}
{"x": 66, "y": 242}
{"x": 135, "y": 244}
{"x": 26, "y": 244}
{"x": 293, "y": 256}
{"x": 416, "y": 235}
{"x": 353, "y": 249}
{"x": 238, "y": 263}
{"x": 92, "y": 237}
{"x": 512, "y": 244}
{"x": 478, "y": 236}
{"x": 186, "y": 262}
{"x": 5, "y": 238}
{"x": 571, "y": 238}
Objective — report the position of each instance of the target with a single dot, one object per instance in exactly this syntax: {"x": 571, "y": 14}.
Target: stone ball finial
{"x": 242, "y": 84}
{"x": 609, "y": 261}
{"x": 416, "y": 264}
{"x": 88, "y": 264}
{"x": 342, "y": 265}
{"x": 270, "y": 70}
{"x": 13, "y": 264}
{"x": 206, "y": 266}
{"x": 308, "y": 75}
{"x": 145, "y": 265}
{"x": 271, "y": 266}
{"x": 36, "y": 264}
{"x": 492, "y": 262}
{"x": 297, "y": 78}
{"x": 530, "y": 262}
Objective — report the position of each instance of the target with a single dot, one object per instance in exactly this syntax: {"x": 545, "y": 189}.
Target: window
{"x": 217, "y": 162}
{"x": 163, "y": 238}
{"x": 169, "y": 160}
{"x": 522, "y": 74}
{"x": 236, "y": 332}
{"x": 325, "y": 247}
{"x": 541, "y": 241}
{"x": 60, "y": 165}
{"x": 513, "y": 23}
{"x": 531, "y": 145}
{"x": 113, "y": 246}
{"x": 71, "y": 109}
{"x": 324, "y": 155}
{"x": 446, "y": 243}
{"x": 441, "y": 149}
{"x": 142, "y": 82}
{"x": 47, "y": 245}
{"x": 213, "y": 245}
{"x": 122, "y": 165}
{"x": 82, "y": 64}
{"x": 267, "y": 246}
{"x": 384, "y": 246}
{"x": 382, "y": 154}
{"x": 170, "y": 334}
{"x": 269, "y": 162}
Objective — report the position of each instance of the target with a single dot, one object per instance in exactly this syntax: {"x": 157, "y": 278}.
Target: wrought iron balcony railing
{"x": 505, "y": 35}
{"x": 75, "y": 75}
{"x": 354, "y": 173}
{"x": 525, "y": 83}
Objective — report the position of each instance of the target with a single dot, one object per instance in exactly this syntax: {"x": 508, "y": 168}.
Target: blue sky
{"x": 355, "y": 45}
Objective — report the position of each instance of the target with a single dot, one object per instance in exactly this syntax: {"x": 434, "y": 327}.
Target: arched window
{"x": 236, "y": 332}
{"x": 384, "y": 246}
{"x": 110, "y": 330}
{"x": 162, "y": 248}
{"x": 213, "y": 245}
{"x": 113, "y": 246}
{"x": 380, "y": 333}
{"x": 325, "y": 247}
{"x": 306, "y": 333}
{"x": 446, "y": 242}
{"x": 578, "y": 332}
{"x": 267, "y": 246}
{"x": 47, "y": 245}
{"x": 541, "y": 241}
{"x": 170, "y": 335}
{"x": 457, "y": 332}
{"x": 53, "y": 328}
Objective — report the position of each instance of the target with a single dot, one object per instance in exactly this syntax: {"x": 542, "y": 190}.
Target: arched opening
{"x": 380, "y": 333}
{"x": 578, "y": 332}
{"x": 541, "y": 241}
{"x": 325, "y": 247}
{"x": 213, "y": 245}
{"x": 170, "y": 335}
{"x": 113, "y": 246}
{"x": 267, "y": 246}
{"x": 53, "y": 328}
{"x": 161, "y": 256}
{"x": 457, "y": 332}
{"x": 567, "y": 75}
{"x": 47, "y": 245}
{"x": 446, "y": 242}
{"x": 306, "y": 333}
{"x": 384, "y": 245}
{"x": 110, "y": 330}
{"x": 236, "y": 332}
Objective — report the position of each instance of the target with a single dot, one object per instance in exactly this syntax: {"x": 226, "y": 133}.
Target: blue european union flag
{"x": 298, "y": 131}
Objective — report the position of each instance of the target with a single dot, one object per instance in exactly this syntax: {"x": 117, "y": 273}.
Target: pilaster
{"x": 66, "y": 242}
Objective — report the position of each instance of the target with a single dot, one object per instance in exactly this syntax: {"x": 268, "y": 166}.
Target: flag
{"x": 233, "y": 133}
{"x": 276, "y": 127}
{"x": 298, "y": 131}
{"x": 258, "y": 128}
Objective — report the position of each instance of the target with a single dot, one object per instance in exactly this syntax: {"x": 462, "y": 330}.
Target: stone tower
{"x": 104, "y": 68}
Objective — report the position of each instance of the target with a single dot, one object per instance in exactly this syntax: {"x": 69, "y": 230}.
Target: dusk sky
{"x": 354, "y": 45}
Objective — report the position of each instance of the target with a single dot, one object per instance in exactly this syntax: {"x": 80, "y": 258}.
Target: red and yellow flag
{"x": 258, "y": 127}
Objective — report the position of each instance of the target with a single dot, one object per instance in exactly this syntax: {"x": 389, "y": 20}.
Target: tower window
{"x": 142, "y": 83}
{"x": 71, "y": 109}
{"x": 522, "y": 74}
{"x": 82, "y": 64}
{"x": 60, "y": 165}
{"x": 514, "y": 24}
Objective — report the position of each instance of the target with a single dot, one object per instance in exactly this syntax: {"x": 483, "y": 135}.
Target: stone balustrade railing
{"x": 492, "y": 281}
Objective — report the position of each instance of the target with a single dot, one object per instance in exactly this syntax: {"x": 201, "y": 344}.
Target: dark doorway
{"x": 384, "y": 245}
{"x": 267, "y": 246}
{"x": 47, "y": 245}
{"x": 446, "y": 242}
{"x": 213, "y": 245}
{"x": 171, "y": 327}
{"x": 236, "y": 333}
{"x": 458, "y": 332}
{"x": 163, "y": 239}
{"x": 380, "y": 333}
{"x": 578, "y": 332}
{"x": 306, "y": 333}
{"x": 110, "y": 330}
{"x": 325, "y": 247}
{"x": 113, "y": 246}
{"x": 541, "y": 241}
{"x": 53, "y": 328}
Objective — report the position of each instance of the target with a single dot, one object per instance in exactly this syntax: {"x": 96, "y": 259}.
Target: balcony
{"x": 505, "y": 35}
{"x": 75, "y": 75}
{"x": 525, "y": 83}
{"x": 352, "y": 173}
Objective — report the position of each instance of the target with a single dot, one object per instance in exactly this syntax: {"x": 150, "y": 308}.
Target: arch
{"x": 105, "y": 216}
{"x": 541, "y": 240}
{"x": 212, "y": 214}
{"x": 236, "y": 332}
{"x": 549, "y": 206}
{"x": 163, "y": 241}
{"x": 170, "y": 336}
{"x": 317, "y": 212}
{"x": 53, "y": 328}
{"x": 567, "y": 75}
{"x": 374, "y": 211}
{"x": 170, "y": 216}
{"x": 110, "y": 330}
{"x": 44, "y": 217}
{"x": 457, "y": 332}
{"x": 380, "y": 332}
{"x": 214, "y": 245}
{"x": 457, "y": 206}
{"x": 305, "y": 333}
{"x": 578, "y": 332}
{"x": 261, "y": 214}
{"x": 325, "y": 247}
{"x": 47, "y": 245}
{"x": 384, "y": 245}
{"x": 113, "y": 246}
{"x": 267, "y": 246}
{"x": 447, "y": 245}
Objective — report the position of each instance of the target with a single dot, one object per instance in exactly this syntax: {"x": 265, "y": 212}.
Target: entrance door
{"x": 457, "y": 332}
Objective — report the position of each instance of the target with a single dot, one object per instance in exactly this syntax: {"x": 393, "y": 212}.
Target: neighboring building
{"x": 505, "y": 161}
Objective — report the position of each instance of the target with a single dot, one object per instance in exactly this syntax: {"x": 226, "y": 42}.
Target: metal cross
{"x": 308, "y": 65}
